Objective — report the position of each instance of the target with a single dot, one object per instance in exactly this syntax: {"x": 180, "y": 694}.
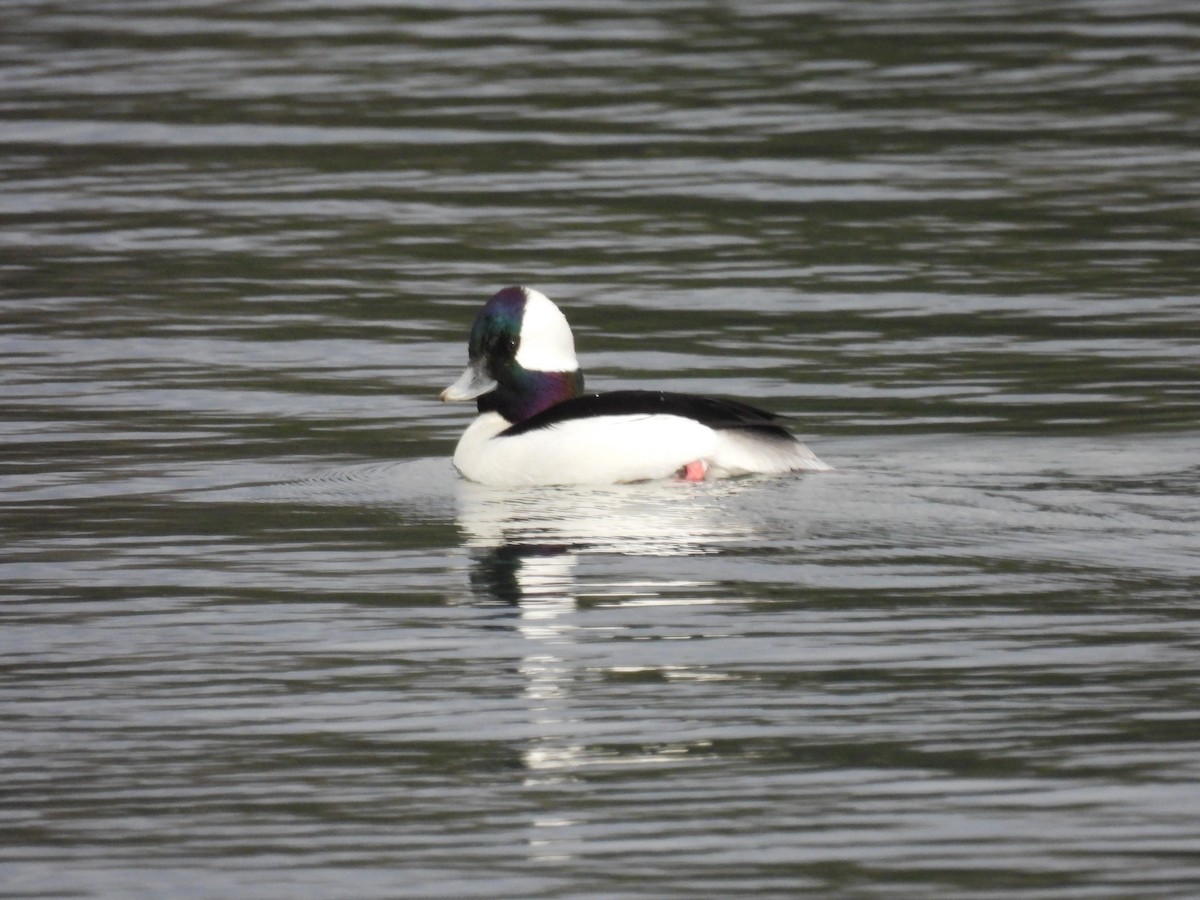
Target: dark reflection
{"x": 495, "y": 572}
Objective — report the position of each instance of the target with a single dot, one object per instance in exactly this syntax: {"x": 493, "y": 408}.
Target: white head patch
{"x": 546, "y": 341}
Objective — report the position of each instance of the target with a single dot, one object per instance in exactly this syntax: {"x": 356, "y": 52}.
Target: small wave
{"x": 428, "y": 481}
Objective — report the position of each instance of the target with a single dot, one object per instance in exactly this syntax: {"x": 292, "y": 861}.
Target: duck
{"x": 537, "y": 426}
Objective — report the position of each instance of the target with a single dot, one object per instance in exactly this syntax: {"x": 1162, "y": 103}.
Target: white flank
{"x": 615, "y": 449}
{"x": 546, "y": 341}
{"x": 602, "y": 450}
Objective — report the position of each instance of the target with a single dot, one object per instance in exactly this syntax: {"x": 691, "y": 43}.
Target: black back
{"x": 710, "y": 411}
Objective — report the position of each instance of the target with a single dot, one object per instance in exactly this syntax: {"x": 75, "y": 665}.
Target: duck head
{"x": 522, "y": 357}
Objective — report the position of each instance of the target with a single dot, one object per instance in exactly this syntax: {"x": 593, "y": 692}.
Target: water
{"x": 258, "y": 639}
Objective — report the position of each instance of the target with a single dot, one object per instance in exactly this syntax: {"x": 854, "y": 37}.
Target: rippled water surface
{"x": 259, "y": 640}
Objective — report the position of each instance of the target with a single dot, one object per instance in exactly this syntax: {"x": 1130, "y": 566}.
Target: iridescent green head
{"x": 522, "y": 357}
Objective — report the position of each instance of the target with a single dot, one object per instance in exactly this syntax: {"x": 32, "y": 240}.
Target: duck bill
{"x": 473, "y": 383}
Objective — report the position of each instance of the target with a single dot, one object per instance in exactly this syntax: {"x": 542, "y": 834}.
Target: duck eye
{"x": 510, "y": 344}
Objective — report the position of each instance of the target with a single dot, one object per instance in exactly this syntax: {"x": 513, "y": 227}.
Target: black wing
{"x": 710, "y": 411}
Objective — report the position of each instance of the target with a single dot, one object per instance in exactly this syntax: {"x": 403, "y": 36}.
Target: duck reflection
{"x": 525, "y": 547}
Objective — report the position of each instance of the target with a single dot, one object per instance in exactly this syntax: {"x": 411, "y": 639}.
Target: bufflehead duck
{"x": 536, "y": 426}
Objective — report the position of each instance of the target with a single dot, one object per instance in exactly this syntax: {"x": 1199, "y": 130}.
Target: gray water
{"x": 260, "y": 641}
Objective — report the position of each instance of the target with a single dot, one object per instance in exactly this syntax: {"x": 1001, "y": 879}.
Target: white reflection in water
{"x": 649, "y": 519}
